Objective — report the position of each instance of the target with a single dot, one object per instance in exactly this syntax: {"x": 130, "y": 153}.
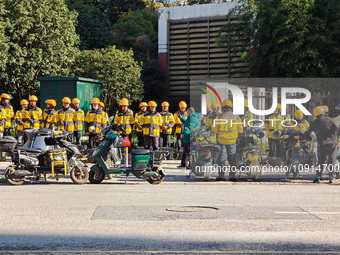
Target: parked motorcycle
{"x": 250, "y": 155}
{"x": 297, "y": 153}
{"x": 203, "y": 153}
{"x": 49, "y": 153}
{"x": 146, "y": 164}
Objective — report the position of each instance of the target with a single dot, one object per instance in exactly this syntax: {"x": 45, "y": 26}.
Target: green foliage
{"x": 41, "y": 41}
{"x": 94, "y": 26}
{"x": 117, "y": 8}
{"x": 117, "y": 67}
{"x": 153, "y": 77}
{"x": 137, "y": 30}
{"x": 288, "y": 38}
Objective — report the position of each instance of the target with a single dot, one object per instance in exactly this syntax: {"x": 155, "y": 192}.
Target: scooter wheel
{"x": 96, "y": 178}
{"x": 79, "y": 175}
{"x": 11, "y": 178}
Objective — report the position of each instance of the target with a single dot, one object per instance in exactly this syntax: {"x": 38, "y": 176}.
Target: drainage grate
{"x": 191, "y": 209}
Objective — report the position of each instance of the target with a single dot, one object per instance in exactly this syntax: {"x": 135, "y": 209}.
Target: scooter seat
{"x": 28, "y": 149}
{"x": 140, "y": 152}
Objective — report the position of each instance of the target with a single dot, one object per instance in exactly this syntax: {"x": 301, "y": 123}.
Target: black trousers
{"x": 140, "y": 138}
{"x": 179, "y": 141}
{"x": 274, "y": 147}
{"x": 326, "y": 152}
{"x": 151, "y": 141}
{"x": 77, "y": 136}
{"x": 186, "y": 153}
{"x": 164, "y": 140}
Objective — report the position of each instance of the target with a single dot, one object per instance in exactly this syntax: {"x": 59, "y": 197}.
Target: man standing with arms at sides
{"x": 178, "y": 124}
{"x": 78, "y": 119}
{"x": 227, "y": 134}
{"x": 20, "y": 124}
{"x": 49, "y": 117}
{"x": 143, "y": 107}
{"x": 327, "y": 135}
{"x": 95, "y": 121}
{"x": 168, "y": 122}
{"x": 7, "y": 114}
{"x": 32, "y": 119}
{"x": 125, "y": 117}
{"x": 151, "y": 123}
{"x": 64, "y": 118}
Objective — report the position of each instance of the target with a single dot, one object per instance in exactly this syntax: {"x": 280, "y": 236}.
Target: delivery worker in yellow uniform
{"x": 49, "y": 114}
{"x": 178, "y": 124}
{"x": 302, "y": 124}
{"x": 227, "y": 134}
{"x": 151, "y": 123}
{"x": 7, "y": 114}
{"x": 95, "y": 121}
{"x": 273, "y": 124}
{"x": 214, "y": 114}
{"x": 32, "y": 118}
{"x": 124, "y": 116}
{"x": 78, "y": 119}
{"x": 142, "y": 109}
{"x": 168, "y": 122}
{"x": 64, "y": 118}
{"x": 19, "y": 120}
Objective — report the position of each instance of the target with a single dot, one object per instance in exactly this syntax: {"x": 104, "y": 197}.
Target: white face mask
{"x": 95, "y": 107}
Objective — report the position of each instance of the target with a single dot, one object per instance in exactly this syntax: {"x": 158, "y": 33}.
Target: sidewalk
{"x": 180, "y": 176}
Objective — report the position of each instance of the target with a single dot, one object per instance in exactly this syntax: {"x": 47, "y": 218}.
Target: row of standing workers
{"x": 153, "y": 128}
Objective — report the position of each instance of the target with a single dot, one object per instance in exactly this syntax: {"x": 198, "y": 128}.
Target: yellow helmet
{"x": 152, "y": 103}
{"x": 318, "y": 111}
{"x": 165, "y": 103}
{"x": 142, "y": 104}
{"x": 23, "y": 101}
{"x": 278, "y": 106}
{"x": 95, "y": 101}
{"x": 182, "y": 104}
{"x": 51, "y": 101}
{"x": 215, "y": 105}
{"x": 245, "y": 103}
{"x": 208, "y": 105}
{"x": 123, "y": 102}
{"x": 325, "y": 107}
{"x": 227, "y": 103}
{"x": 75, "y": 101}
{"x": 66, "y": 100}
{"x": 102, "y": 104}
{"x": 5, "y": 96}
{"x": 298, "y": 114}
{"x": 32, "y": 98}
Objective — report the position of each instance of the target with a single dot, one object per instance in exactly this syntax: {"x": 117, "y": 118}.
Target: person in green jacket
{"x": 190, "y": 123}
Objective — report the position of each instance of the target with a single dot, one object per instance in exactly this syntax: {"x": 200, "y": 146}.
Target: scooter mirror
{"x": 259, "y": 133}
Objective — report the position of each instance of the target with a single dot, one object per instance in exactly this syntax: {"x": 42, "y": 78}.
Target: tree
{"x": 137, "y": 30}
{"x": 94, "y": 27}
{"x": 117, "y": 8}
{"x": 117, "y": 67}
{"x": 285, "y": 38}
{"x": 41, "y": 41}
{"x": 3, "y": 39}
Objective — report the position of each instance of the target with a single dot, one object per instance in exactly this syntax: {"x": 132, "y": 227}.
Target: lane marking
{"x": 334, "y": 213}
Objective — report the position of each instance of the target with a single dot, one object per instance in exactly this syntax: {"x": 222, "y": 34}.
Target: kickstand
{"x": 127, "y": 175}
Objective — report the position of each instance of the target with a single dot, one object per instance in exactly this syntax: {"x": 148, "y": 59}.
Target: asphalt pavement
{"x": 182, "y": 215}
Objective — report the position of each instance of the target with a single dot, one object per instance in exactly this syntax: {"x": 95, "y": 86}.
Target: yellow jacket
{"x": 301, "y": 126}
{"x": 273, "y": 124}
{"x": 151, "y": 123}
{"x": 49, "y": 118}
{"x": 178, "y": 122}
{"x": 7, "y": 115}
{"x": 96, "y": 119}
{"x": 78, "y": 119}
{"x": 34, "y": 114}
{"x": 168, "y": 120}
{"x": 126, "y": 119}
{"x": 229, "y": 129}
{"x": 18, "y": 119}
{"x": 137, "y": 116}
